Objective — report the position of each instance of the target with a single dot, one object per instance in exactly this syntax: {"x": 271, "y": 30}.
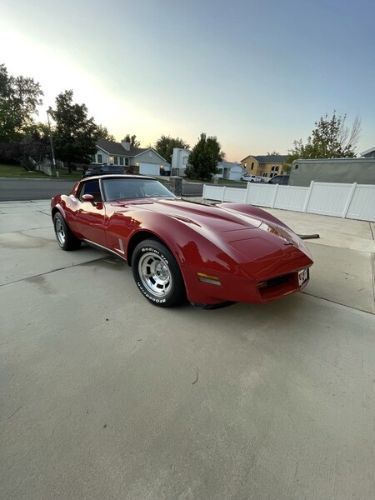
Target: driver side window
{"x": 91, "y": 187}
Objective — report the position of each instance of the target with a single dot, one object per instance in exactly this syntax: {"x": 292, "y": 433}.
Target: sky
{"x": 256, "y": 74}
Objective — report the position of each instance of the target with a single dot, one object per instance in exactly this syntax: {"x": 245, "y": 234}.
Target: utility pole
{"x": 51, "y": 143}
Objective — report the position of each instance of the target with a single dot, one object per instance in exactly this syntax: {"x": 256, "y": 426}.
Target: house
{"x": 145, "y": 161}
{"x": 226, "y": 169}
{"x": 180, "y": 159}
{"x": 230, "y": 170}
{"x": 265, "y": 165}
{"x": 369, "y": 153}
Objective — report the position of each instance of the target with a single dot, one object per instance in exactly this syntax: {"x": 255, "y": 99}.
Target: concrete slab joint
{"x": 105, "y": 396}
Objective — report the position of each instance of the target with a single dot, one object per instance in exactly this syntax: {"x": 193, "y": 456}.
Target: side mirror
{"x": 88, "y": 197}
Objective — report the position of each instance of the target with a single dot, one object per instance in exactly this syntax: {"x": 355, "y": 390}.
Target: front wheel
{"x": 65, "y": 238}
{"x": 157, "y": 274}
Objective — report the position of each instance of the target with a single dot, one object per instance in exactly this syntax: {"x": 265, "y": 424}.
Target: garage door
{"x": 149, "y": 169}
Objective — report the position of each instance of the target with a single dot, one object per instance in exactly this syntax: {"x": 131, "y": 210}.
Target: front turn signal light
{"x": 207, "y": 278}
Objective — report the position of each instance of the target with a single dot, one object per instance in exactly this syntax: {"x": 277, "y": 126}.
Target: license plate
{"x": 303, "y": 276}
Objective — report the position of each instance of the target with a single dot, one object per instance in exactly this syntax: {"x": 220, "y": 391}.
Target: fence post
{"x": 223, "y": 193}
{"x": 274, "y": 195}
{"x": 349, "y": 199}
{"x": 308, "y": 195}
{"x": 248, "y": 187}
{"x": 204, "y": 191}
{"x": 176, "y": 185}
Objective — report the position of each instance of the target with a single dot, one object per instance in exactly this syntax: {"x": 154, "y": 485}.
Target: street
{"x": 32, "y": 189}
{"x": 43, "y": 189}
{"x": 104, "y": 395}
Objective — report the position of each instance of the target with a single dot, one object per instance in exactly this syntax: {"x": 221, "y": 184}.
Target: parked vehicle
{"x": 279, "y": 179}
{"x": 102, "y": 170}
{"x": 230, "y": 252}
{"x": 252, "y": 178}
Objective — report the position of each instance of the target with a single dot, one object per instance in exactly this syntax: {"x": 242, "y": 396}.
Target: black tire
{"x": 65, "y": 238}
{"x": 157, "y": 274}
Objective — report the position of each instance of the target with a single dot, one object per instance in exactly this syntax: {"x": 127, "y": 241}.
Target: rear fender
{"x": 57, "y": 205}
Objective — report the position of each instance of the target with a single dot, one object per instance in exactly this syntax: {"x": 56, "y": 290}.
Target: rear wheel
{"x": 157, "y": 274}
{"x": 65, "y": 238}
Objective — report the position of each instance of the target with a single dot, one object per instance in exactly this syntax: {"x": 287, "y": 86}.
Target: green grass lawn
{"x": 17, "y": 171}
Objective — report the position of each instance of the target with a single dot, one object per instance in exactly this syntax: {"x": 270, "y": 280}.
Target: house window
{"x": 126, "y": 161}
{"x": 115, "y": 160}
{"x": 252, "y": 165}
{"x": 100, "y": 158}
{"x": 121, "y": 160}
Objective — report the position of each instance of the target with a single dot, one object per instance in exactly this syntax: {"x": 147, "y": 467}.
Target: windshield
{"x": 130, "y": 189}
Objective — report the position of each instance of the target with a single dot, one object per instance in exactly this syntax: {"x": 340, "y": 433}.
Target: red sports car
{"x": 179, "y": 249}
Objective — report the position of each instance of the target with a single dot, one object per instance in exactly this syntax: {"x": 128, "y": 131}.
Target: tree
{"x": 331, "y": 138}
{"x": 75, "y": 134}
{"x": 35, "y": 145}
{"x": 164, "y": 146}
{"x": 104, "y": 134}
{"x": 204, "y": 158}
{"x": 132, "y": 139}
{"x": 19, "y": 99}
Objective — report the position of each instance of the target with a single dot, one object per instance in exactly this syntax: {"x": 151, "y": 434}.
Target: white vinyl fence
{"x": 353, "y": 201}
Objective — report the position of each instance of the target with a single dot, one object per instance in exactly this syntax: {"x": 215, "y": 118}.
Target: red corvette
{"x": 178, "y": 249}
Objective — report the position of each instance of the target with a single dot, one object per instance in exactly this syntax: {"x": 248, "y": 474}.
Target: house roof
{"x": 111, "y": 147}
{"x": 116, "y": 148}
{"x": 368, "y": 151}
{"x": 268, "y": 158}
{"x": 271, "y": 158}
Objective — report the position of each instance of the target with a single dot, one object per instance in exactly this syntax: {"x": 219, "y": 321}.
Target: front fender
{"x": 196, "y": 249}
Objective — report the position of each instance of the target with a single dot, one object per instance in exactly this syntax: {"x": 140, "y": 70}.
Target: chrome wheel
{"x": 65, "y": 238}
{"x": 60, "y": 231}
{"x": 155, "y": 274}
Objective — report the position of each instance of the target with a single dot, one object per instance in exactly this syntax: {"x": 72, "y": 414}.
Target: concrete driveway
{"x": 106, "y": 396}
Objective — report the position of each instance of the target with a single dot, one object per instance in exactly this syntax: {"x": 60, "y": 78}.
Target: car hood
{"x": 212, "y": 217}
{"x": 221, "y": 222}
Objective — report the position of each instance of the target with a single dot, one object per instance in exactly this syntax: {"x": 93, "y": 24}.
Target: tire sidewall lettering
{"x": 148, "y": 296}
{"x": 176, "y": 294}
{"x": 155, "y": 251}
{"x": 139, "y": 284}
